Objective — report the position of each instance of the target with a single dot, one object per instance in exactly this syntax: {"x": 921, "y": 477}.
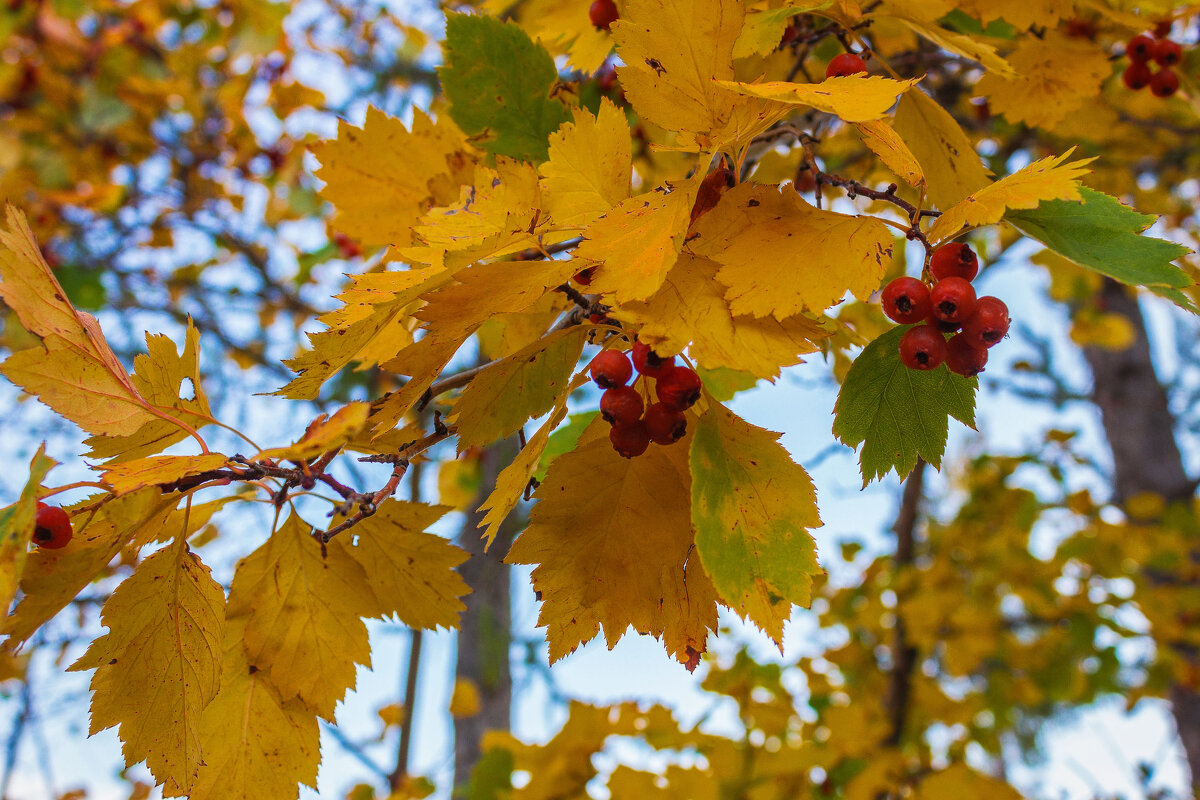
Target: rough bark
{"x": 904, "y": 655}
{"x": 1146, "y": 458}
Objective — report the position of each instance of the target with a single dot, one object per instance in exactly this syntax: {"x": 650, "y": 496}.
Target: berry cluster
{"x": 52, "y": 528}
{"x": 1143, "y": 50}
{"x": 950, "y": 306}
{"x": 634, "y": 425}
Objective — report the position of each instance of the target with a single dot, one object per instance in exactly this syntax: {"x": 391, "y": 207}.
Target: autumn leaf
{"x": 763, "y": 28}
{"x": 589, "y": 168}
{"x": 959, "y": 780}
{"x": 154, "y": 470}
{"x": 160, "y": 663}
{"x": 323, "y": 434}
{"x": 892, "y": 151}
{"x": 854, "y": 98}
{"x": 1054, "y": 75}
{"x": 16, "y": 528}
{"x": 948, "y": 160}
{"x": 752, "y": 507}
{"x": 959, "y": 43}
{"x": 560, "y": 27}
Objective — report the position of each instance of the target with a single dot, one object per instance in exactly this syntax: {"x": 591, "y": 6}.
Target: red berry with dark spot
{"x": 1136, "y": 76}
{"x": 611, "y": 369}
{"x": 648, "y": 362}
{"x": 664, "y": 425}
{"x": 906, "y": 300}
{"x": 52, "y": 527}
{"x": 1167, "y": 53}
{"x": 678, "y": 388}
{"x": 1140, "y": 48}
{"x": 922, "y": 348}
{"x": 964, "y": 359}
{"x": 845, "y": 64}
{"x": 953, "y": 300}
{"x": 954, "y": 260}
{"x": 584, "y": 276}
{"x": 630, "y": 440}
{"x": 603, "y": 13}
{"x": 988, "y": 325}
{"x": 1164, "y": 83}
{"x": 621, "y": 406}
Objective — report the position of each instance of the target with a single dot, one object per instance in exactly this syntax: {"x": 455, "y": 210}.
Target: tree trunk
{"x": 1146, "y": 458}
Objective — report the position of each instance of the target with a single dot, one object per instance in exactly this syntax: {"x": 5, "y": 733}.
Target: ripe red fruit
{"x": 953, "y": 300}
{"x": 922, "y": 348}
{"x": 964, "y": 359}
{"x": 1140, "y": 48}
{"x": 1136, "y": 76}
{"x": 611, "y": 369}
{"x": 1164, "y": 83}
{"x": 845, "y": 64}
{"x": 52, "y": 527}
{"x": 988, "y": 324}
{"x": 603, "y": 13}
{"x": 648, "y": 362}
{"x": 630, "y": 440}
{"x": 954, "y": 260}
{"x": 1167, "y": 53}
{"x": 584, "y": 276}
{"x": 906, "y": 300}
{"x": 621, "y": 406}
{"x": 1162, "y": 28}
{"x": 664, "y": 425}
{"x": 678, "y": 388}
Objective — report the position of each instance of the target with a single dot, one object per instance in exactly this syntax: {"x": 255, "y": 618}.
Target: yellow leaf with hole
{"x": 780, "y": 256}
{"x": 590, "y": 166}
{"x": 853, "y": 98}
{"x": 1051, "y": 178}
{"x": 892, "y": 151}
{"x": 159, "y": 665}
{"x": 154, "y": 470}
{"x": 1055, "y": 75}
{"x": 323, "y": 434}
{"x": 948, "y": 160}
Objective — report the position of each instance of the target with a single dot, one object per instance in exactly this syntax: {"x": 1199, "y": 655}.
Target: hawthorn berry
{"x": 963, "y": 358}
{"x": 1136, "y": 76}
{"x": 953, "y": 300}
{"x": 922, "y": 347}
{"x": 1162, "y": 28}
{"x": 52, "y": 527}
{"x": 906, "y": 300}
{"x": 1140, "y": 48}
{"x": 1164, "y": 83}
{"x": 611, "y": 369}
{"x": 603, "y": 14}
{"x": 954, "y": 260}
{"x": 584, "y": 276}
{"x": 664, "y": 425}
{"x": 845, "y": 64}
{"x": 649, "y": 363}
{"x": 678, "y": 388}
{"x": 1167, "y": 53}
{"x": 621, "y": 406}
{"x": 630, "y": 440}
{"x": 988, "y": 324}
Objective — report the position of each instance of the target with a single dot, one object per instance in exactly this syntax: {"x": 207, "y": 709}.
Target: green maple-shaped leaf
{"x": 498, "y": 83}
{"x": 897, "y": 413}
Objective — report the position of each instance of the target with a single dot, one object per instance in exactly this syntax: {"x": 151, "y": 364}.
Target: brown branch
{"x": 904, "y": 655}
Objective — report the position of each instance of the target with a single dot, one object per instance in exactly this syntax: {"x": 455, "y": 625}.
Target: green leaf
{"x": 1102, "y": 234}
{"x": 564, "y": 440}
{"x": 752, "y": 507}
{"x": 498, "y": 83}
{"x": 897, "y": 413}
{"x": 723, "y": 383}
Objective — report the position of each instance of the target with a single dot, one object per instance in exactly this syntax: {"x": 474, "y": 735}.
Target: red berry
{"x": 953, "y": 300}
{"x": 922, "y": 348}
{"x": 1136, "y": 76}
{"x": 630, "y": 440}
{"x": 664, "y": 425}
{"x": 603, "y": 13}
{"x": 964, "y": 359}
{"x": 52, "y": 527}
{"x": 1162, "y": 28}
{"x": 678, "y": 388}
{"x": 988, "y": 324}
{"x": 1164, "y": 83}
{"x": 954, "y": 260}
{"x": 906, "y": 300}
{"x": 621, "y": 406}
{"x": 648, "y": 362}
{"x": 584, "y": 276}
{"x": 1167, "y": 53}
{"x": 845, "y": 64}
{"x": 599, "y": 319}
{"x": 1140, "y": 48}
{"x": 611, "y": 369}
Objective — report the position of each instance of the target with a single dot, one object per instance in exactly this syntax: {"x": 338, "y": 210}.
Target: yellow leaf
{"x": 410, "y": 572}
{"x": 464, "y": 702}
{"x": 160, "y": 663}
{"x": 323, "y": 434}
{"x": 1055, "y": 75}
{"x": 781, "y": 256}
{"x": 1106, "y": 330}
{"x": 959, "y": 43}
{"x": 891, "y": 149}
{"x": 303, "y": 602}
{"x": 16, "y": 528}
{"x": 1021, "y": 14}
{"x": 154, "y": 470}
{"x": 690, "y": 309}
{"x": 381, "y": 178}
{"x": 612, "y": 542}
{"x": 959, "y": 780}
{"x": 459, "y": 481}
{"x": 852, "y": 98}
{"x": 590, "y": 165}
{"x": 1047, "y": 179}
{"x": 952, "y": 168}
